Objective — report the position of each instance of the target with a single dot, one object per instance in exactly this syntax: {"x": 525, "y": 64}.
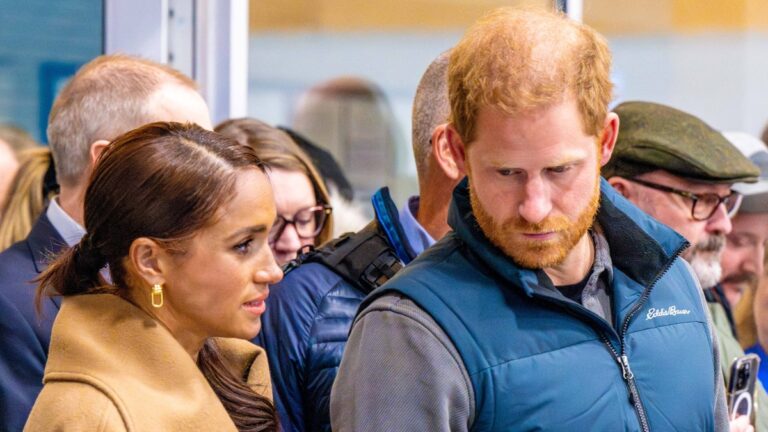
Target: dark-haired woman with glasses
{"x": 304, "y": 216}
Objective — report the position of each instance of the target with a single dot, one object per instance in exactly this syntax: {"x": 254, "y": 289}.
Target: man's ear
{"x": 149, "y": 260}
{"x": 622, "y": 186}
{"x": 456, "y": 148}
{"x": 608, "y": 137}
{"x": 443, "y": 154}
{"x": 97, "y": 148}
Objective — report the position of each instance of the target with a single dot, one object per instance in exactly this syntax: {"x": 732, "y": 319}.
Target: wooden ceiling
{"x": 607, "y": 16}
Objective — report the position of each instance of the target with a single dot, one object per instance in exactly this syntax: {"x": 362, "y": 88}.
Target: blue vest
{"x": 538, "y": 361}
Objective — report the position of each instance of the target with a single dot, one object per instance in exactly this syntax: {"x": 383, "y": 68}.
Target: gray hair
{"x": 430, "y": 109}
{"x": 107, "y": 97}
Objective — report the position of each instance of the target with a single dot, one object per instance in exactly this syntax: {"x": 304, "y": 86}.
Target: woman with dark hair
{"x": 303, "y": 206}
{"x": 180, "y": 216}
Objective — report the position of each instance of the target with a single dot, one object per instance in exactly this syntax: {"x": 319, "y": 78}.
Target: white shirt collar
{"x": 68, "y": 228}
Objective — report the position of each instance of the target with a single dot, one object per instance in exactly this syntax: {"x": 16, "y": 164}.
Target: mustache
{"x": 714, "y": 243}
{"x": 547, "y": 225}
{"x": 742, "y": 278}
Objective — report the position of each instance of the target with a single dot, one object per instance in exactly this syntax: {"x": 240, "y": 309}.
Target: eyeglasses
{"x": 308, "y": 222}
{"x": 704, "y": 205}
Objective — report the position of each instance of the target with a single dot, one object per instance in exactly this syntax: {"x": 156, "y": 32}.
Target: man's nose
{"x": 719, "y": 223}
{"x": 536, "y": 204}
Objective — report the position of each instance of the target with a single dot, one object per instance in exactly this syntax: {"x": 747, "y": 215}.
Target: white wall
{"x": 722, "y": 78}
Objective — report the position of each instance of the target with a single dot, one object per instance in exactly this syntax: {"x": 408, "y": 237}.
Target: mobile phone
{"x": 741, "y": 386}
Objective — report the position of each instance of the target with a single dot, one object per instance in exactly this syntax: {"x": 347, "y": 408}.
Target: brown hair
{"x": 26, "y": 197}
{"x": 163, "y": 181}
{"x": 516, "y": 60}
{"x": 107, "y": 96}
{"x": 277, "y": 150}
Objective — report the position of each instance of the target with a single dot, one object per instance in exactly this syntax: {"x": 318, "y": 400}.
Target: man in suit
{"x": 107, "y": 97}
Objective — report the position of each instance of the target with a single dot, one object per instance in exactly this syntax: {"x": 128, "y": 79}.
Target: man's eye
{"x": 741, "y": 241}
{"x": 505, "y": 172}
{"x": 559, "y": 169}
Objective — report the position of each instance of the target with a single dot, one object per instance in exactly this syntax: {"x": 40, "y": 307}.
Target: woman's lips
{"x": 256, "y": 307}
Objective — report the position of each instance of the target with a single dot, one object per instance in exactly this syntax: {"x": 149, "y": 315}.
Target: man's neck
{"x": 71, "y": 199}
{"x": 576, "y": 265}
{"x": 434, "y": 201}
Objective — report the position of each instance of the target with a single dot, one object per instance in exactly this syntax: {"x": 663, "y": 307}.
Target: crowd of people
{"x": 564, "y": 266}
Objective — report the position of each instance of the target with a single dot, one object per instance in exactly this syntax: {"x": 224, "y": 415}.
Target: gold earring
{"x": 157, "y": 296}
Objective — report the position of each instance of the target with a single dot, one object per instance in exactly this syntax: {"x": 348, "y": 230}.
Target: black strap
{"x": 365, "y": 259}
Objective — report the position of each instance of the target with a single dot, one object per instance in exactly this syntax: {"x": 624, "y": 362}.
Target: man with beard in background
{"x": 537, "y": 312}
{"x": 680, "y": 171}
{"x": 745, "y": 246}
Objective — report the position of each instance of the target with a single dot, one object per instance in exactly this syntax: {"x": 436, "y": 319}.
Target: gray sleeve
{"x": 722, "y": 421}
{"x": 400, "y": 372}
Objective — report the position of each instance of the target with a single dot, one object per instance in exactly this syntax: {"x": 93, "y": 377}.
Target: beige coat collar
{"x": 108, "y": 343}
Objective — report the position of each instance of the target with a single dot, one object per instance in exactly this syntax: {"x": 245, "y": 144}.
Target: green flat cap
{"x": 657, "y": 137}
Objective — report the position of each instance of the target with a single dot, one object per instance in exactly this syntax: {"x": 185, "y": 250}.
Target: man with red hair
{"x": 537, "y": 312}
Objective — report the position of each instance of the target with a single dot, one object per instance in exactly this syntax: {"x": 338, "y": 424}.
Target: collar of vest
{"x": 389, "y": 222}
{"x": 640, "y": 246}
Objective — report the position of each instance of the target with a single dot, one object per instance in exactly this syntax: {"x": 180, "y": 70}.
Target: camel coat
{"x": 111, "y": 367}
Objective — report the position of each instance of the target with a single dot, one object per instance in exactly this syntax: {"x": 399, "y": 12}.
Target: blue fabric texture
{"x": 762, "y": 375}
{"x": 24, "y": 335}
{"x": 306, "y": 325}
{"x": 538, "y": 361}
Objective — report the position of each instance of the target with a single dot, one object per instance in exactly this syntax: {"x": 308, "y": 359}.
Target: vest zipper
{"x": 621, "y": 357}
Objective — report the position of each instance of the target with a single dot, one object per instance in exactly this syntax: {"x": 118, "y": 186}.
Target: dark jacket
{"x": 539, "y": 361}
{"x": 305, "y": 328}
{"x": 25, "y": 335}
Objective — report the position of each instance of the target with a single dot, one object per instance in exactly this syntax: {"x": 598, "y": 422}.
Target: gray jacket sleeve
{"x": 722, "y": 422}
{"x": 400, "y": 372}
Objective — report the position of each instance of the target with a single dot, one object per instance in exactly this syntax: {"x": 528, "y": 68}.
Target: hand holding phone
{"x": 741, "y": 386}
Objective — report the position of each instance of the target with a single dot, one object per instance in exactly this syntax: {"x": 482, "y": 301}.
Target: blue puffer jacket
{"x": 305, "y": 328}
{"x": 539, "y": 361}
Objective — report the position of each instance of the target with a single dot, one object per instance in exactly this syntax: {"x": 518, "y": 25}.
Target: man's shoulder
{"x": 17, "y": 264}
{"x": 310, "y": 279}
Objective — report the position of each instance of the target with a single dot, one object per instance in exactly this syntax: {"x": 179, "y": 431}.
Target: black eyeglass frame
{"x": 695, "y": 198}
{"x": 326, "y": 211}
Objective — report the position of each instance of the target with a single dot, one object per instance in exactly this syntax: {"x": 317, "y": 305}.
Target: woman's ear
{"x": 149, "y": 260}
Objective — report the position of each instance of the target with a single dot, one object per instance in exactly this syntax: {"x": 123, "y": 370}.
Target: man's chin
{"x": 536, "y": 258}
{"x": 708, "y": 271}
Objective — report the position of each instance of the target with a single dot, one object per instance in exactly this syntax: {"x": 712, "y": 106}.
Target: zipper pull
{"x": 626, "y": 371}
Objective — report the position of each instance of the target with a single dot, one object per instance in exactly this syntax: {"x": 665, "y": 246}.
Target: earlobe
{"x": 454, "y": 149}
{"x": 608, "y": 137}
{"x": 97, "y": 148}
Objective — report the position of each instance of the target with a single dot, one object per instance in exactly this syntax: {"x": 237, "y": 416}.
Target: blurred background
{"x": 344, "y": 72}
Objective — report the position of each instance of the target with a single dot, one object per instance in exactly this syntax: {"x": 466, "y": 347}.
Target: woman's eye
{"x": 244, "y": 247}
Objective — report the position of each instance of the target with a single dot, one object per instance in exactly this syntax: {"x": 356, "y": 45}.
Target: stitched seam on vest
{"x": 503, "y": 362}
{"x": 668, "y": 325}
{"x": 305, "y": 342}
{"x": 99, "y": 385}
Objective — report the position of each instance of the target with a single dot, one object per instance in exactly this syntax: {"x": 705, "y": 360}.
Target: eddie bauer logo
{"x": 662, "y": 312}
